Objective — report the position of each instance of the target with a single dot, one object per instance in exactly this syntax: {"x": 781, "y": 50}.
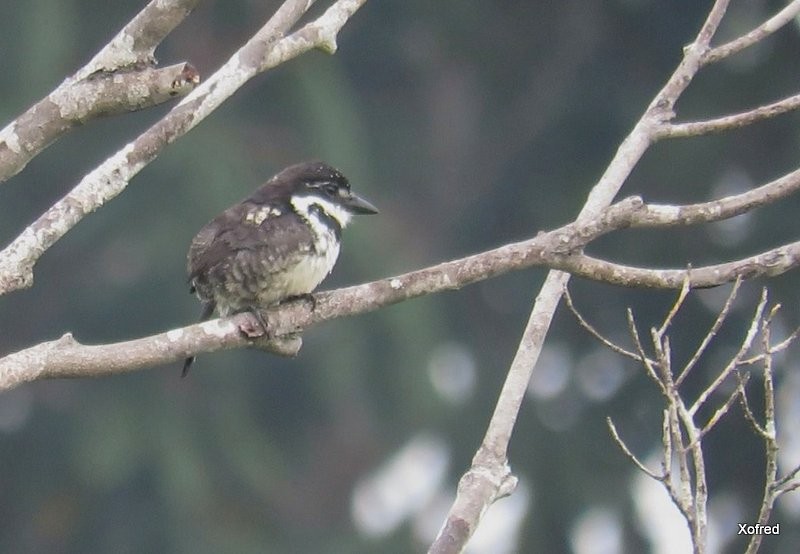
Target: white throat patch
{"x": 303, "y": 205}
{"x": 313, "y": 268}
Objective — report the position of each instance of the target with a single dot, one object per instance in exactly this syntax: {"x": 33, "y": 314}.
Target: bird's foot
{"x": 254, "y": 329}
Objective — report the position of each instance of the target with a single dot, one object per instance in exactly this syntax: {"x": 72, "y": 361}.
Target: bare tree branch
{"x": 551, "y": 249}
{"x": 699, "y": 517}
{"x": 730, "y": 122}
{"x": 766, "y": 264}
{"x": 774, "y": 23}
{"x": 136, "y": 43}
{"x": 267, "y": 48}
{"x": 779, "y": 347}
{"x": 771, "y": 262}
{"x": 66, "y": 357}
{"x": 120, "y": 78}
{"x": 680, "y": 435}
{"x": 723, "y": 208}
{"x": 293, "y": 318}
{"x": 17, "y": 260}
{"x": 492, "y": 452}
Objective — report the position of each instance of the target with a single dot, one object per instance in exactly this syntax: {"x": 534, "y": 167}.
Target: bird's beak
{"x": 358, "y": 205}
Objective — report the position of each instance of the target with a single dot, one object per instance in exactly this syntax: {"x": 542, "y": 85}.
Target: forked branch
{"x": 122, "y": 77}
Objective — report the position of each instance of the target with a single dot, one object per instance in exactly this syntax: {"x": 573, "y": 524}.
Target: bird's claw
{"x": 251, "y": 331}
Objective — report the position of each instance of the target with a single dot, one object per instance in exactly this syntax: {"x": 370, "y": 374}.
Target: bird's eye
{"x": 330, "y": 189}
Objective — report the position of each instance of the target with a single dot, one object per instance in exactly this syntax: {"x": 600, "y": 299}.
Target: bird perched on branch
{"x": 279, "y": 243}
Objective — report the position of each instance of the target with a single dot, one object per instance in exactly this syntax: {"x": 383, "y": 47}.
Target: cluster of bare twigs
{"x": 683, "y": 472}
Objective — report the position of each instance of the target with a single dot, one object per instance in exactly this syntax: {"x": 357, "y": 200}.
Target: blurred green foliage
{"x": 469, "y": 124}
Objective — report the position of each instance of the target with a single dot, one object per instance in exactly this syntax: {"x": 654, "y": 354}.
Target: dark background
{"x": 469, "y": 124}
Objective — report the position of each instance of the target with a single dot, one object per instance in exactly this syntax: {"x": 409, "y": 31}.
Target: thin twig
{"x": 734, "y": 362}
{"x": 699, "y": 522}
{"x": 661, "y": 345}
{"x": 783, "y": 17}
{"x": 676, "y": 306}
{"x": 780, "y": 347}
{"x": 691, "y": 502}
{"x": 676, "y": 410}
{"x": 684, "y": 474}
{"x": 666, "y": 464}
{"x": 595, "y": 333}
{"x": 732, "y": 121}
{"x": 666, "y": 441}
{"x": 745, "y": 404}
{"x": 789, "y": 487}
{"x": 769, "y": 433}
{"x": 787, "y": 482}
{"x": 720, "y": 412}
{"x": 649, "y": 364}
{"x": 631, "y": 456}
{"x": 712, "y": 333}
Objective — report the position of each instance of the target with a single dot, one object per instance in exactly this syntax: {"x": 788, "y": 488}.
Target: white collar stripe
{"x": 303, "y": 205}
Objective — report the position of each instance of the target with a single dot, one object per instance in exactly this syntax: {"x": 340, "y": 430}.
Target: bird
{"x": 277, "y": 244}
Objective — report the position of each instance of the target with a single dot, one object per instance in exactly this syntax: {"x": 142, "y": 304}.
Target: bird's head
{"x": 316, "y": 186}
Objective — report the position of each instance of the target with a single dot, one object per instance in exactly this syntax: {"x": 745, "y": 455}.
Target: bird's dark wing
{"x": 260, "y": 228}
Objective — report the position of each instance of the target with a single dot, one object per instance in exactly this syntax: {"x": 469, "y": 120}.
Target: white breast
{"x": 312, "y": 268}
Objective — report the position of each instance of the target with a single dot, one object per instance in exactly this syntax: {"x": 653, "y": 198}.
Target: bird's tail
{"x": 208, "y": 309}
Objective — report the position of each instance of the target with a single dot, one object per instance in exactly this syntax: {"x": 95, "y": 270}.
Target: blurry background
{"x": 469, "y": 124}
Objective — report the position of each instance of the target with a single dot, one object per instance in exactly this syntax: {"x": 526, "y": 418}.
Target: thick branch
{"x": 766, "y": 264}
{"x": 136, "y": 43}
{"x": 554, "y": 249}
{"x": 48, "y": 360}
{"x": 100, "y": 95}
{"x": 723, "y": 208}
{"x": 119, "y": 79}
{"x": 268, "y": 48}
{"x": 66, "y": 357}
